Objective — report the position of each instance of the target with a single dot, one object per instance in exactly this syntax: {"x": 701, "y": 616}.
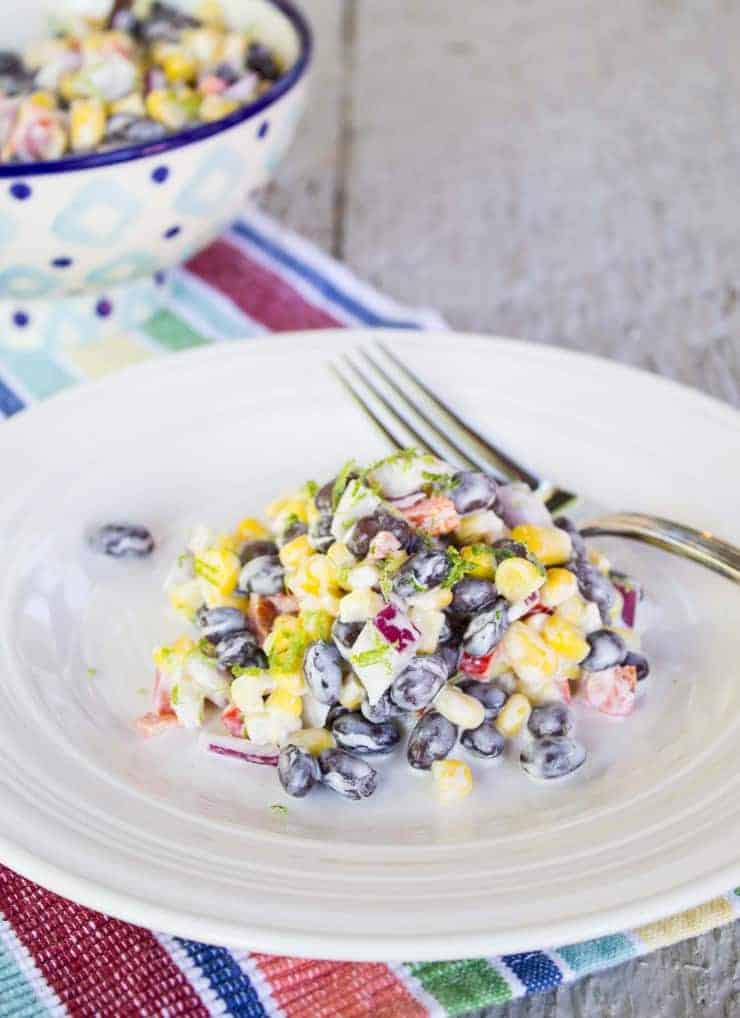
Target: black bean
{"x": 319, "y": 533}
{"x": 323, "y": 498}
{"x": 261, "y": 60}
{"x": 471, "y": 595}
{"x": 262, "y": 575}
{"x": 577, "y": 542}
{"x": 423, "y": 571}
{"x": 123, "y": 540}
{"x": 485, "y": 630}
{"x": 345, "y": 633}
{"x": 451, "y": 655}
{"x": 607, "y": 649}
{"x": 298, "y": 771}
{"x": 550, "y": 719}
{"x": 369, "y": 526}
{"x": 127, "y": 127}
{"x": 506, "y": 548}
{"x": 419, "y": 682}
{"x": 383, "y": 710}
{"x": 217, "y": 623}
{"x": 335, "y": 712}
{"x": 354, "y": 732}
{"x": 639, "y": 662}
{"x": 255, "y": 549}
{"x": 322, "y": 667}
{"x": 472, "y": 490}
{"x": 240, "y": 649}
{"x": 492, "y": 697}
{"x": 485, "y": 740}
{"x": 552, "y": 757}
{"x": 346, "y": 774}
{"x": 432, "y": 739}
{"x": 294, "y": 529}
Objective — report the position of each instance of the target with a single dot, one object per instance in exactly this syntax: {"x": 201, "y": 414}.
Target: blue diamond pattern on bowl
{"x": 121, "y": 270}
{"x": 213, "y": 182}
{"x": 23, "y": 281}
{"x": 98, "y": 214}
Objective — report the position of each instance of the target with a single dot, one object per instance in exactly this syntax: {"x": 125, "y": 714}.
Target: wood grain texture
{"x": 563, "y": 172}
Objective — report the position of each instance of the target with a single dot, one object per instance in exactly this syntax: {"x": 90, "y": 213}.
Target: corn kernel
{"x": 573, "y": 609}
{"x": 365, "y": 576}
{"x": 550, "y": 545}
{"x": 246, "y": 691}
{"x": 322, "y": 571}
{"x": 483, "y": 526}
{"x": 513, "y": 715}
{"x": 517, "y": 578}
{"x": 431, "y": 600}
{"x": 360, "y": 605}
{"x": 214, "y": 107}
{"x": 313, "y": 740}
{"x": 459, "y": 708}
{"x": 286, "y": 644}
{"x": 218, "y": 567}
{"x": 600, "y": 561}
{"x": 295, "y": 552}
{"x": 316, "y": 624}
{"x": 178, "y": 66}
{"x": 250, "y": 529}
{"x": 453, "y": 780}
{"x": 86, "y": 124}
{"x": 45, "y": 100}
{"x": 132, "y": 103}
{"x": 565, "y": 638}
{"x": 559, "y": 585}
{"x": 292, "y": 505}
{"x": 291, "y": 682}
{"x": 186, "y": 598}
{"x": 215, "y": 599}
{"x": 352, "y": 692}
{"x": 164, "y": 107}
{"x": 174, "y": 654}
{"x": 282, "y": 700}
{"x": 481, "y": 561}
{"x": 529, "y": 656}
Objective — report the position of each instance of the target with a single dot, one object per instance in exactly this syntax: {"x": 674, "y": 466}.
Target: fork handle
{"x": 698, "y": 545}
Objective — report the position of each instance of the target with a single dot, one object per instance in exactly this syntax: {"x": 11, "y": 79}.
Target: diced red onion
{"x": 239, "y": 749}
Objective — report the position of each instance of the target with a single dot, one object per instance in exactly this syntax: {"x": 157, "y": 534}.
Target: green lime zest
{"x": 459, "y": 567}
{"x": 340, "y": 483}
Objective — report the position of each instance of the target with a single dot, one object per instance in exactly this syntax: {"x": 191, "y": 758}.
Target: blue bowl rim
{"x": 142, "y": 150}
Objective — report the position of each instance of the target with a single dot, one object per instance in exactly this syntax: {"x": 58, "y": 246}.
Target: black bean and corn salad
{"x": 406, "y": 602}
{"x": 143, "y": 73}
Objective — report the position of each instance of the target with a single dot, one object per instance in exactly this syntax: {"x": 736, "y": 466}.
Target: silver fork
{"x": 459, "y": 443}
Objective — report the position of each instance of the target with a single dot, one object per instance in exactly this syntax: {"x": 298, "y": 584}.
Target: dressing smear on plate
{"x": 403, "y": 607}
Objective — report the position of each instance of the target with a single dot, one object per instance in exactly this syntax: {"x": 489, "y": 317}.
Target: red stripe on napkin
{"x": 97, "y": 965}
{"x": 258, "y": 292}
{"x": 305, "y": 989}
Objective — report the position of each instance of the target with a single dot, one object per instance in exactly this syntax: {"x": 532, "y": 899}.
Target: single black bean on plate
{"x": 322, "y": 668}
{"x": 491, "y": 696}
{"x": 607, "y": 649}
{"x": 552, "y": 757}
{"x": 346, "y": 774}
{"x": 639, "y": 662}
{"x": 240, "y": 650}
{"x": 262, "y": 575}
{"x": 217, "y": 623}
{"x": 550, "y": 719}
{"x": 419, "y": 682}
{"x": 485, "y": 740}
{"x": 123, "y": 540}
{"x": 472, "y": 490}
{"x": 432, "y": 739}
{"x": 471, "y": 595}
{"x": 298, "y": 771}
{"x": 485, "y": 630}
{"x": 354, "y": 732}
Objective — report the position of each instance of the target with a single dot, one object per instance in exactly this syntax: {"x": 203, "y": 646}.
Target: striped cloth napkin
{"x": 57, "y": 958}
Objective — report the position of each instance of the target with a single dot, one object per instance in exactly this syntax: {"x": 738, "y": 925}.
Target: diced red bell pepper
{"x": 233, "y": 721}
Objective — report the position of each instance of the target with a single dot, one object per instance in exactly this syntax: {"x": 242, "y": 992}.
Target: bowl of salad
{"x": 130, "y": 135}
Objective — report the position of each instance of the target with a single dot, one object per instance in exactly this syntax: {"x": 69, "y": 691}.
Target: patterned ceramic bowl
{"x": 99, "y": 229}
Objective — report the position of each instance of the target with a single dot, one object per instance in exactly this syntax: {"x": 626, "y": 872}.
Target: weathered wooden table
{"x": 566, "y": 172}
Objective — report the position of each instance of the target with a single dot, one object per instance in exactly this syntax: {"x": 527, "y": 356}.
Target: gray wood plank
{"x": 304, "y": 192}
{"x": 563, "y": 172}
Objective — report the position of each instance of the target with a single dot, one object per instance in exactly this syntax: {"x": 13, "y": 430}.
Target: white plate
{"x": 155, "y": 833}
